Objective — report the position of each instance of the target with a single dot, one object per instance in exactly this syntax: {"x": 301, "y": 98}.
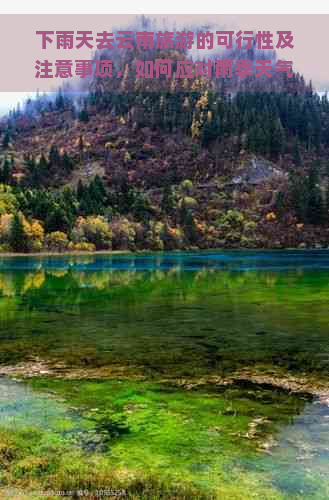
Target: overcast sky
{"x": 9, "y": 100}
{"x": 309, "y": 55}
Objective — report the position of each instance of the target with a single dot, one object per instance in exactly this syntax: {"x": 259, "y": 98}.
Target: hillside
{"x": 194, "y": 168}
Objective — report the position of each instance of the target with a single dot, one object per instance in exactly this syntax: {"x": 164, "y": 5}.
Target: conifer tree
{"x": 17, "y": 237}
{"x": 315, "y": 209}
{"x": 168, "y": 200}
{"x": 187, "y": 221}
{"x": 5, "y": 172}
{"x": 296, "y": 154}
{"x": 6, "y": 140}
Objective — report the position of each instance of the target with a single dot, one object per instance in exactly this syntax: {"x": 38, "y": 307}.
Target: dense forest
{"x": 164, "y": 165}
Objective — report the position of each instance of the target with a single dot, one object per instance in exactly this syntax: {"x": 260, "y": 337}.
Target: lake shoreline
{"x": 149, "y": 251}
{"x": 63, "y": 254}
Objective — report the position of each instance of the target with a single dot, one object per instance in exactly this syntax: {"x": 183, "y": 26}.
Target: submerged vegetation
{"x": 150, "y": 441}
{"x": 187, "y": 375}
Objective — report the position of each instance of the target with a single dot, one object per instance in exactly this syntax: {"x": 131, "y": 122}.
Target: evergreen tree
{"x": 54, "y": 156}
{"x": 98, "y": 189}
{"x": 5, "y": 172}
{"x": 43, "y": 167}
{"x": 168, "y": 200}
{"x": 80, "y": 190}
{"x": 84, "y": 115}
{"x": 315, "y": 209}
{"x": 296, "y": 154}
{"x": 60, "y": 101}
{"x": 326, "y": 172}
{"x": 57, "y": 220}
{"x": 280, "y": 204}
{"x": 67, "y": 163}
{"x": 298, "y": 195}
{"x": 87, "y": 205}
{"x": 141, "y": 207}
{"x": 327, "y": 204}
{"x": 17, "y": 237}
{"x": 277, "y": 139}
{"x": 187, "y": 221}
{"x": 6, "y": 140}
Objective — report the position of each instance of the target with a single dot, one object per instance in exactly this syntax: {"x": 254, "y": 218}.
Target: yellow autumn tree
{"x": 35, "y": 234}
{"x": 5, "y": 225}
{"x": 94, "y": 230}
{"x": 57, "y": 241}
{"x": 123, "y": 234}
{"x": 8, "y": 203}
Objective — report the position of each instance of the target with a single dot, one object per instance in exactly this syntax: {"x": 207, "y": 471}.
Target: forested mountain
{"x": 167, "y": 164}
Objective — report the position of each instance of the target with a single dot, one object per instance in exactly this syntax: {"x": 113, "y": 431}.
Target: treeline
{"x": 92, "y": 217}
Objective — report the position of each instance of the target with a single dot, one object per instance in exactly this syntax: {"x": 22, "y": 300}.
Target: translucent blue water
{"x": 236, "y": 260}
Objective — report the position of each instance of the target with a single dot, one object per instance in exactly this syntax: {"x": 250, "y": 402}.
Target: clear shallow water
{"x": 169, "y": 317}
{"x": 101, "y": 311}
{"x": 297, "y": 459}
{"x": 21, "y": 406}
{"x": 202, "y": 434}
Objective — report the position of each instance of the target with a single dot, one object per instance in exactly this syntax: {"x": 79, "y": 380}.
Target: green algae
{"x": 210, "y": 438}
{"x": 155, "y": 425}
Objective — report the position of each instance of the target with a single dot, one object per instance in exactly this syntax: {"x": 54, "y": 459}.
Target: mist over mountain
{"x": 167, "y": 163}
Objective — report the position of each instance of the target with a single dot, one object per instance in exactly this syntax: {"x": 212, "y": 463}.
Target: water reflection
{"x": 188, "y": 261}
{"x": 167, "y": 320}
